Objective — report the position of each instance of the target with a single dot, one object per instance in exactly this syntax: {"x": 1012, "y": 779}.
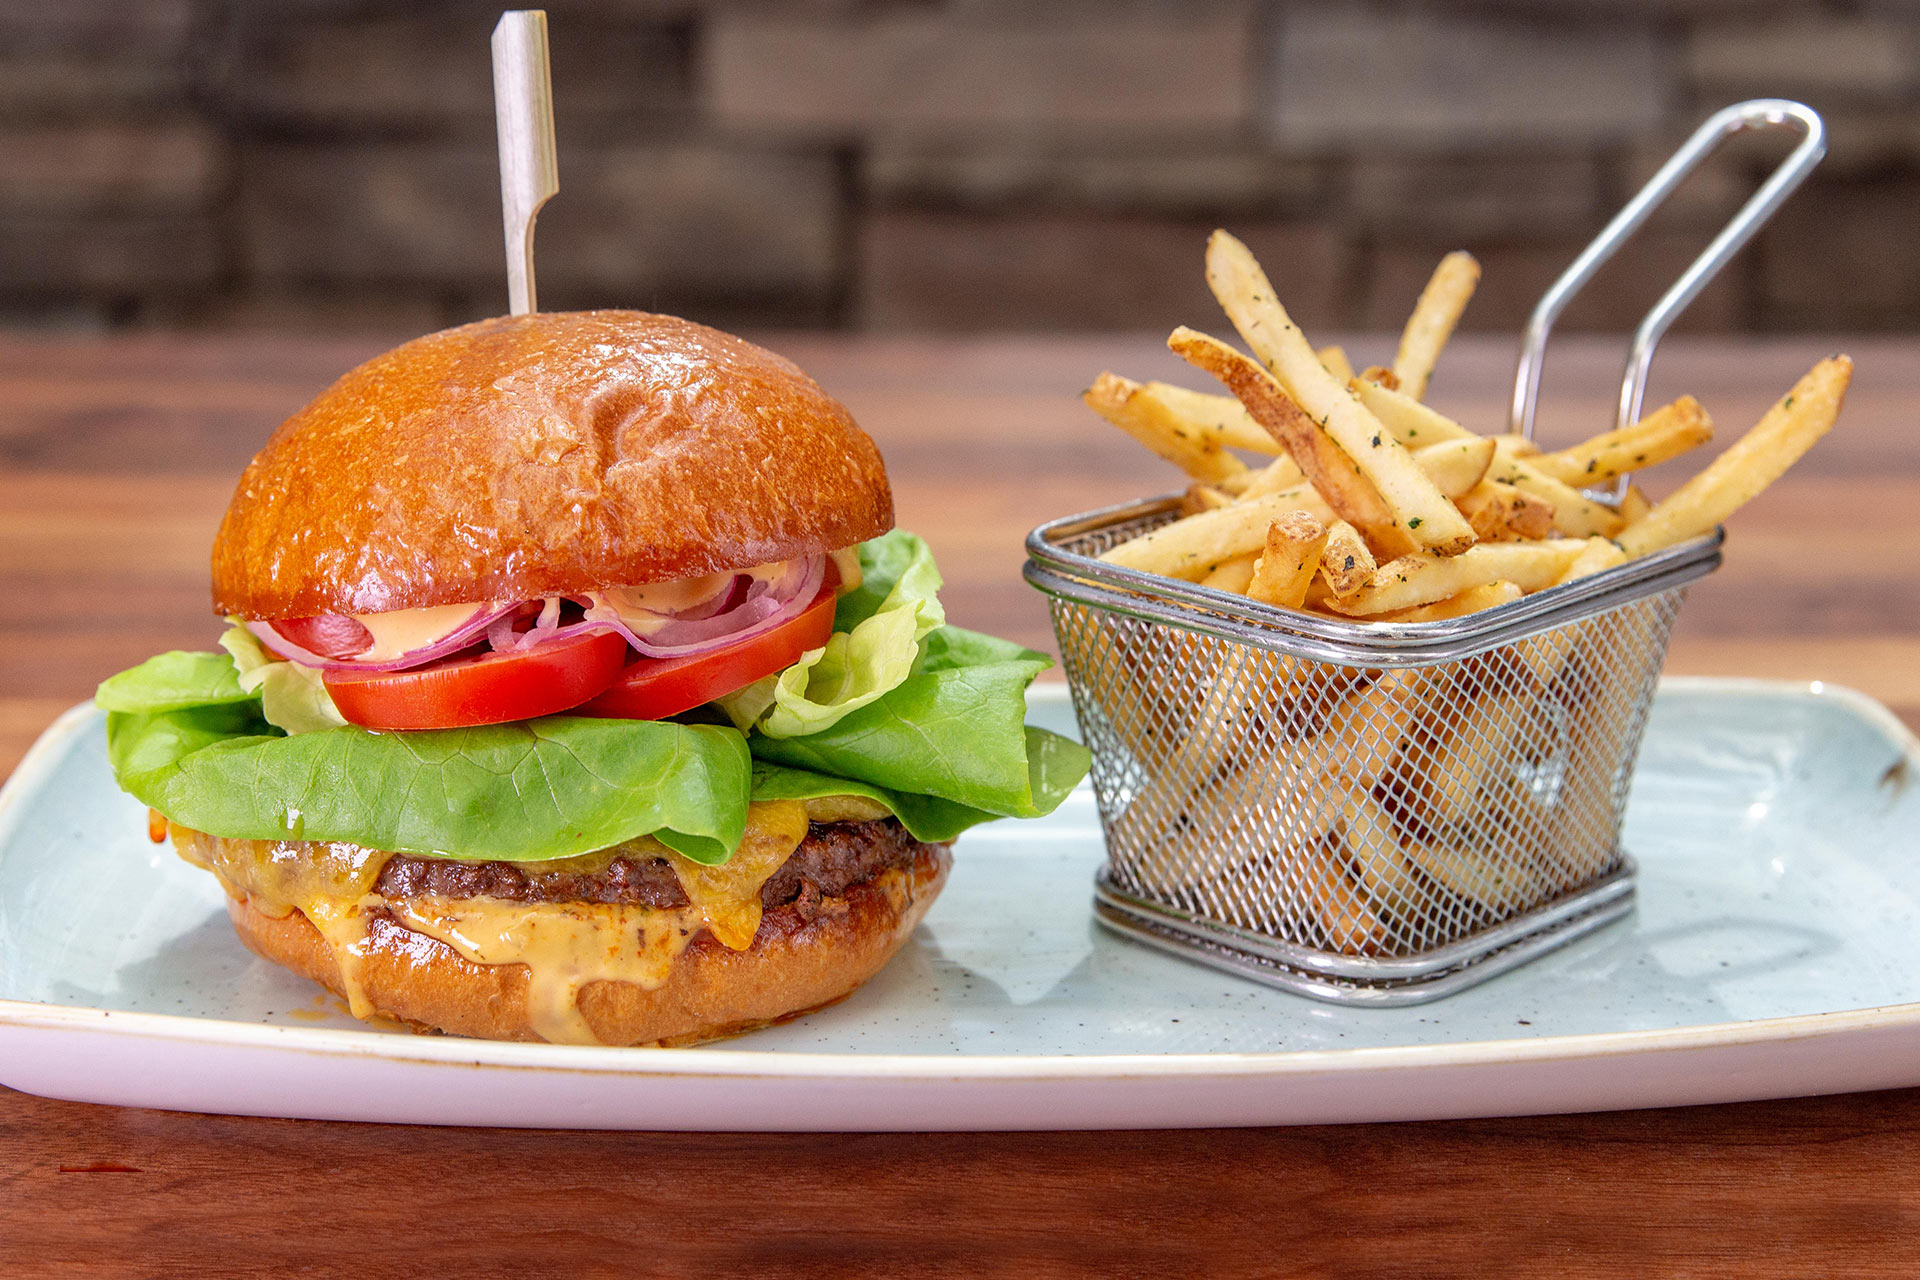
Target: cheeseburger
{"x": 576, "y": 687}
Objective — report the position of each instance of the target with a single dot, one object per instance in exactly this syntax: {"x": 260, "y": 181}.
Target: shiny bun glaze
{"x": 543, "y": 455}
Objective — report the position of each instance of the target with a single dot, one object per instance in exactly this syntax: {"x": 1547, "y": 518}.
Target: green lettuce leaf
{"x": 955, "y": 729}
{"x": 530, "y": 791}
{"x": 878, "y": 628}
{"x": 173, "y": 682}
{"x": 927, "y": 818}
{"x": 292, "y": 697}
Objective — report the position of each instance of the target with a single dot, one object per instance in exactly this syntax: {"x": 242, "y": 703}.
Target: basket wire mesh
{"x": 1382, "y": 813}
{"x": 1367, "y": 829}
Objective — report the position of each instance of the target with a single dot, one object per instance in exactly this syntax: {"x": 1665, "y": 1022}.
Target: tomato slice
{"x": 654, "y": 688}
{"x": 490, "y": 689}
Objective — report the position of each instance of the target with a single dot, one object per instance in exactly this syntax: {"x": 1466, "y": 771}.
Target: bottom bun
{"x": 796, "y": 964}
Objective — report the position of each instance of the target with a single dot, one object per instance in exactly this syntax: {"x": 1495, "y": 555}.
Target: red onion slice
{"x": 741, "y": 607}
{"x": 763, "y": 606}
{"x": 545, "y": 614}
{"x": 546, "y": 628}
{"x": 452, "y": 641}
{"x": 536, "y": 636}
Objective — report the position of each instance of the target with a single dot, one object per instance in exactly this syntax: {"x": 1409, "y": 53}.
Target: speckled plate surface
{"x": 1774, "y": 953}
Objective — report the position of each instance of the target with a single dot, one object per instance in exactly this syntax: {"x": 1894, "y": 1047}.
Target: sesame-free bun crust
{"x": 794, "y": 966}
{"x": 541, "y": 455}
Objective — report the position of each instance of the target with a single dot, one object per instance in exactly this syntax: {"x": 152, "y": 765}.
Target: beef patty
{"x": 833, "y": 857}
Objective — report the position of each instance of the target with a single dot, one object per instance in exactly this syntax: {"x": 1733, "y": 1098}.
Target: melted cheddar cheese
{"x": 727, "y": 897}
{"x": 330, "y": 884}
{"x": 565, "y": 946}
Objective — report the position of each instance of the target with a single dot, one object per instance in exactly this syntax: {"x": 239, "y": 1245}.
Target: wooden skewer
{"x": 523, "y": 114}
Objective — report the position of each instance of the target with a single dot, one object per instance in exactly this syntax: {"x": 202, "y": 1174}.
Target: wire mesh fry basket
{"x": 1382, "y": 813}
{"x": 1365, "y": 812}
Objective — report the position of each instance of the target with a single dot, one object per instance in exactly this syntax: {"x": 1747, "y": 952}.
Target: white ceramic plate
{"x": 1774, "y": 953}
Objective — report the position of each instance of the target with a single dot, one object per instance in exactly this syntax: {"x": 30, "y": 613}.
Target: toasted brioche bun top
{"x": 544, "y": 455}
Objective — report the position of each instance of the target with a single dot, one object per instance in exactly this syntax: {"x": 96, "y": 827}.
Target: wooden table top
{"x": 117, "y": 456}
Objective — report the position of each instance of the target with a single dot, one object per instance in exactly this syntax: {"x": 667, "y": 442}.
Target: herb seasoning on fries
{"x": 1378, "y": 508}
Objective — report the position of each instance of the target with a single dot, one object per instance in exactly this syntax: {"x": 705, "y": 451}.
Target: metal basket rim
{"x": 1086, "y": 580}
{"x": 1615, "y": 883}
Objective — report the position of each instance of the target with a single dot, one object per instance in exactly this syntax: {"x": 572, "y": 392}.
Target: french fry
{"x": 1423, "y": 578}
{"x": 1413, "y": 424}
{"x": 1282, "y": 473}
{"x": 1346, "y": 921}
{"x": 1417, "y": 507}
{"x": 1380, "y": 376}
{"x": 1446, "y": 464}
{"x": 1514, "y": 445}
{"x": 1280, "y": 698}
{"x": 1753, "y": 462}
{"x": 1380, "y": 865}
{"x": 1600, "y": 554}
{"x": 1230, "y": 754}
{"x": 1284, "y": 704}
{"x": 1292, "y": 556}
{"x": 1299, "y": 889}
{"x": 1667, "y": 432}
{"x": 1201, "y": 497}
{"x": 1501, "y": 513}
{"x": 1234, "y": 575}
{"x": 1486, "y": 507}
{"x": 1530, "y": 515}
{"x": 1497, "y": 885}
{"x": 1633, "y": 504}
{"x": 1599, "y": 745}
{"x": 1334, "y": 360}
{"x": 1235, "y": 486}
{"x": 1432, "y": 321}
{"x": 1164, "y": 832}
{"x": 1335, "y": 475}
{"x": 1222, "y": 416}
{"x": 1466, "y": 745}
{"x": 1203, "y": 746}
{"x": 1192, "y": 547}
{"x": 1495, "y": 514}
{"x": 1489, "y": 595}
{"x": 1574, "y": 514}
{"x": 1546, "y": 654}
{"x": 1363, "y": 732}
{"x": 1147, "y": 418}
{"x": 1347, "y": 562}
{"x": 1456, "y": 466}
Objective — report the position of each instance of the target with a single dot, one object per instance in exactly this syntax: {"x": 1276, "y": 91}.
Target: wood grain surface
{"x": 116, "y": 459}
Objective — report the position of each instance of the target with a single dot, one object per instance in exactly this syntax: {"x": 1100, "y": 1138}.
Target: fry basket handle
{"x": 1760, "y": 113}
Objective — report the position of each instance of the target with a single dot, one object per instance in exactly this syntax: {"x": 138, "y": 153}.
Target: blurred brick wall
{"x": 943, "y": 164}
